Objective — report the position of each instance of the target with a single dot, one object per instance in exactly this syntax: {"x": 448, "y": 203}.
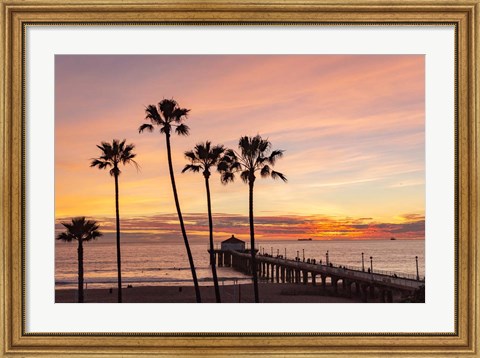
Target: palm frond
{"x": 182, "y": 129}
{"x": 121, "y": 145}
{"x": 106, "y": 150}
{"x": 191, "y": 155}
{"x": 260, "y": 161}
{"x": 275, "y": 175}
{"x": 113, "y": 154}
{"x": 126, "y": 155}
{"x": 236, "y": 166}
{"x": 229, "y": 156}
{"x": 223, "y": 166}
{"x": 263, "y": 145}
{"x": 255, "y": 143}
{"x": 179, "y": 114}
{"x": 91, "y": 230}
{"x": 95, "y": 235}
{"x": 91, "y": 225}
{"x": 245, "y": 146}
{"x": 115, "y": 146}
{"x": 145, "y": 126}
{"x": 227, "y": 162}
{"x": 166, "y": 128}
{"x": 105, "y": 147}
{"x": 115, "y": 171}
{"x": 191, "y": 167}
{"x": 245, "y": 175}
{"x": 265, "y": 171}
{"x": 80, "y": 229}
{"x": 101, "y": 164}
{"x": 204, "y": 156}
{"x": 254, "y": 155}
{"x": 202, "y": 150}
{"x": 227, "y": 177}
{"x": 208, "y": 145}
{"x": 276, "y": 154}
{"x": 65, "y": 237}
{"x": 134, "y": 163}
{"x": 215, "y": 154}
{"x": 68, "y": 226}
{"x": 167, "y": 107}
{"x": 152, "y": 114}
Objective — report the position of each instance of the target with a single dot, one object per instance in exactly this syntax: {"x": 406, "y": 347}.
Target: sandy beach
{"x": 269, "y": 293}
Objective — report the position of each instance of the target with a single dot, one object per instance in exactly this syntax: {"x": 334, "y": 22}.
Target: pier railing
{"x": 282, "y": 270}
{"x": 382, "y": 272}
{"x": 392, "y": 274}
{"x": 344, "y": 271}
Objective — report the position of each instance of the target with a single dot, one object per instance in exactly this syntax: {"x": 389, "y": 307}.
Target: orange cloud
{"x": 288, "y": 227}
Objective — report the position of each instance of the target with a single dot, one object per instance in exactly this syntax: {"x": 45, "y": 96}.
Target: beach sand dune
{"x": 269, "y": 293}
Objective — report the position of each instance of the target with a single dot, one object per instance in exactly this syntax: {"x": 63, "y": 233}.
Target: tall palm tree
{"x": 203, "y": 157}
{"x": 168, "y": 117}
{"x": 112, "y": 155}
{"x": 81, "y": 230}
{"x": 255, "y": 155}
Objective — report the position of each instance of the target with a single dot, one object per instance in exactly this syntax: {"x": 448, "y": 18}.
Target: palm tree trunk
{"x": 212, "y": 254}
{"x": 80, "y": 271}
{"x": 252, "y": 241}
{"x": 180, "y": 218}
{"x": 119, "y": 260}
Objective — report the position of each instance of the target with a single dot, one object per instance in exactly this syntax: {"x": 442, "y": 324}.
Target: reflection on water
{"x": 167, "y": 264}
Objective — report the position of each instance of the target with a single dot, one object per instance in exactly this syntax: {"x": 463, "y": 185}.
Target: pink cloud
{"x": 352, "y": 128}
{"x": 166, "y": 227}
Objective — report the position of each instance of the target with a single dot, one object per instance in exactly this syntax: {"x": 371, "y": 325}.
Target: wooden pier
{"x": 367, "y": 285}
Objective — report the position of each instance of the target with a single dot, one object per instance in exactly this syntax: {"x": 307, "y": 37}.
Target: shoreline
{"x": 242, "y": 293}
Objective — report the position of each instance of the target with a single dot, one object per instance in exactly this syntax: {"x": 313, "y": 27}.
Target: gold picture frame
{"x": 17, "y": 14}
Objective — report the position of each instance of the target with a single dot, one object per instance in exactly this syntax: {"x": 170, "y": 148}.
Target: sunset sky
{"x": 352, "y": 127}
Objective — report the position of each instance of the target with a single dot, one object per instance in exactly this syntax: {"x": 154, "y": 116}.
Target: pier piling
{"x": 368, "y": 285}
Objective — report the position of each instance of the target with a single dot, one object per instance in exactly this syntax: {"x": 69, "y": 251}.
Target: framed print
{"x": 233, "y": 179}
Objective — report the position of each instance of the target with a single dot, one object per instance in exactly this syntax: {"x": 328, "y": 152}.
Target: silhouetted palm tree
{"x": 81, "y": 230}
{"x": 203, "y": 157}
{"x": 112, "y": 156}
{"x": 169, "y": 116}
{"x": 255, "y": 155}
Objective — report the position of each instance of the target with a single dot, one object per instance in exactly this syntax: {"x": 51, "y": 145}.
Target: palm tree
{"x": 203, "y": 157}
{"x": 169, "y": 116}
{"x": 112, "y": 156}
{"x": 81, "y": 230}
{"x": 255, "y": 155}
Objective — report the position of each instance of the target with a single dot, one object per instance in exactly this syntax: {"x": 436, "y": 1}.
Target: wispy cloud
{"x": 352, "y": 127}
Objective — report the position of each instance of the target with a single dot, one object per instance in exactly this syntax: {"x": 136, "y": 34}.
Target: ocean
{"x": 152, "y": 263}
